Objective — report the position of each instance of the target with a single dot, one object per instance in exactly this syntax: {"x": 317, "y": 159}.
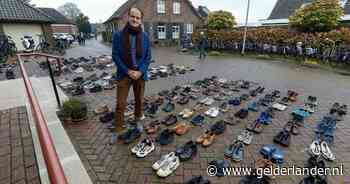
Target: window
{"x": 343, "y": 3}
{"x": 189, "y": 28}
{"x": 176, "y": 32}
{"x": 161, "y": 32}
{"x": 176, "y": 7}
{"x": 161, "y": 6}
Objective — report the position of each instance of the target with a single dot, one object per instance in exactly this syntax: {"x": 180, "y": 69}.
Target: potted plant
{"x": 75, "y": 110}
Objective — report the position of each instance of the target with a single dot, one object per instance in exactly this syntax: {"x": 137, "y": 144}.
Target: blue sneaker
{"x": 198, "y": 120}
{"x": 272, "y": 153}
{"x": 253, "y": 106}
{"x": 238, "y": 152}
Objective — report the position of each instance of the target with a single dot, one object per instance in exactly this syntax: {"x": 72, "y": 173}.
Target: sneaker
{"x": 181, "y": 128}
{"x": 139, "y": 146}
{"x": 147, "y": 148}
{"x": 186, "y": 151}
{"x": 107, "y": 117}
{"x": 131, "y": 135}
{"x": 245, "y": 136}
{"x": 158, "y": 164}
{"x": 218, "y": 128}
{"x": 169, "y": 120}
{"x": 326, "y": 151}
{"x": 198, "y": 120}
{"x": 186, "y": 113}
{"x": 238, "y": 152}
{"x": 315, "y": 148}
{"x": 165, "y": 137}
{"x": 170, "y": 166}
{"x": 213, "y": 112}
{"x": 208, "y": 140}
{"x": 169, "y": 107}
{"x": 102, "y": 109}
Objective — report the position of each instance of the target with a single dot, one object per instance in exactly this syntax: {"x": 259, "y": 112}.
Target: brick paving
{"x": 18, "y": 163}
{"x": 115, "y": 164}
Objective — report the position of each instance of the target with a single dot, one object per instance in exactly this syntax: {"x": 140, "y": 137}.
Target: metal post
{"x": 245, "y": 29}
{"x": 53, "y": 83}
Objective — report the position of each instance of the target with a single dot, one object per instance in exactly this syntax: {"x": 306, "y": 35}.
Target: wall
{"x": 17, "y": 31}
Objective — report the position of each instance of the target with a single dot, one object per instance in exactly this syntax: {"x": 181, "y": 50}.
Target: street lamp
{"x": 245, "y": 29}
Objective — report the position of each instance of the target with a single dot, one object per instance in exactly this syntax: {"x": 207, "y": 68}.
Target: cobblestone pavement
{"x": 18, "y": 164}
{"x": 115, "y": 164}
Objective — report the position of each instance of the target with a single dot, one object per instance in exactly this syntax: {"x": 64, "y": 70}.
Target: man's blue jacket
{"x": 117, "y": 55}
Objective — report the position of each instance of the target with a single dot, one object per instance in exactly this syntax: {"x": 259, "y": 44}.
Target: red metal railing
{"x": 53, "y": 165}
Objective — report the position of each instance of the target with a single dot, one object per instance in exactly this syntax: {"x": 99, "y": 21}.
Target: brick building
{"x": 61, "y": 24}
{"x": 165, "y": 21}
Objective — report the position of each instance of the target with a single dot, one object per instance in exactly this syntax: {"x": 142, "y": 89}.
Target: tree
{"x": 83, "y": 23}
{"x": 318, "y": 16}
{"x": 70, "y": 10}
{"x": 219, "y": 20}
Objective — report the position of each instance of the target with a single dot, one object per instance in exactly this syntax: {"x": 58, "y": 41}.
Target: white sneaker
{"x": 212, "y": 112}
{"x": 326, "y": 152}
{"x": 279, "y": 106}
{"x": 315, "y": 148}
{"x": 203, "y": 101}
{"x": 146, "y": 149}
{"x": 209, "y": 101}
{"x": 139, "y": 146}
{"x": 246, "y": 137}
{"x": 157, "y": 165}
{"x": 170, "y": 167}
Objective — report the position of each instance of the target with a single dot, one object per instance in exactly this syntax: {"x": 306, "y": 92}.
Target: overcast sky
{"x": 101, "y": 10}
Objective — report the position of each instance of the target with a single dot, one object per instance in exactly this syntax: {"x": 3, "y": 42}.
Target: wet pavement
{"x": 106, "y": 164}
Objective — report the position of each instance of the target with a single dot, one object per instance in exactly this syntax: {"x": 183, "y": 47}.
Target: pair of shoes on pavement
{"x": 198, "y": 180}
{"x": 255, "y": 127}
{"x": 235, "y": 102}
{"x": 279, "y": 106}
{"x": 235, "y": 151}
{"x": 198, "y": 120}
{"x": 130, "y": 135}
{"x": 224, "y": 107}
{"x": 212, "y": 112}
{"x": 107, "y": 117}
{"x": 325, "y": 129}
{"x": 292, "y": 95}
{"x": 206, "y": 139}
{"x": 283, "y": 138}
{"x": 183, "y": 100}
{"x": 152, "y": 127}
{"x": 339, "y": 110}
{"x": 181, "y": 128}
{"x": 166, "y": 137}
{"x": 186, "y": 113}
{"x": 254, "y": 106}
{"x": 292, "y": 127}
{"x": 168, "y": 107}
{"x": 143, "y": 148}
{"x": 318, "y": 148}
{"x": 207, "y": 101}
{"x": 187, "y": 151}
{"x": 169, "y": 120}
{"x": 218, "y": 127}
{"x": 245, "y": 136}
{"x": 242, "y": 113}
{"x": 272, "y": 153}
{"x": 166, "y": 165}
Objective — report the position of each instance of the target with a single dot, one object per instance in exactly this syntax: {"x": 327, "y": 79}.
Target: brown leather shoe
{"x": 181, "y": 128}
{"x": 153, "y": 127}
{"x": 201, "y": 138}
{"x": 208, "y": 140}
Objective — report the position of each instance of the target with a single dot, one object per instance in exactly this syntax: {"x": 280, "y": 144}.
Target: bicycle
{"x": 7, "y": 47}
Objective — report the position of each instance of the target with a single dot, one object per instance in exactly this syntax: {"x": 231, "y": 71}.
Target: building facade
{"x": 165, "y": 21}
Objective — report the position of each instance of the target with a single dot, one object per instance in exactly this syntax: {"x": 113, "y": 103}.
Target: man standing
{"x": 131, "y": 53}
{"x": 203, "y": 43}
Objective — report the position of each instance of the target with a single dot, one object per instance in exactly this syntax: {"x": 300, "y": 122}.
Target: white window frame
{"x": 176, "y": 32}
{"x": 161, "y": 34}
{"x": 343, "y": 3}
{"x": 189, "y": 28}
{"x": 161, "y": 6}
{"x": 176, "y": 8}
